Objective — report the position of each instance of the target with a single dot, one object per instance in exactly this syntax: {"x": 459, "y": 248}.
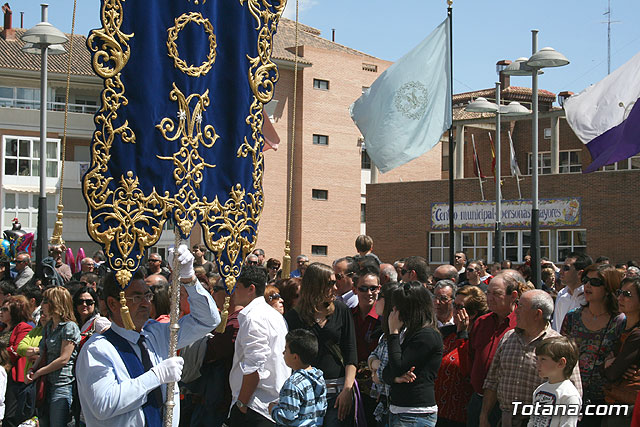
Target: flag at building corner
{"x": 515, "y": 169}
{"x": 408, "y": 108}
{"x": 606, "y": 116}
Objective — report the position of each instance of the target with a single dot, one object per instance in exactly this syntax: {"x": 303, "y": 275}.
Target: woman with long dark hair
{"x": 331, "y": 322}
{"x": 416, "y": 356}
{"x": 596, "y": 328}
{"x": 379, "y": 358}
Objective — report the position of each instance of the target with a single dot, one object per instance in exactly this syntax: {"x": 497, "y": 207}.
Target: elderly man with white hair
{"x": 513, "y": 375}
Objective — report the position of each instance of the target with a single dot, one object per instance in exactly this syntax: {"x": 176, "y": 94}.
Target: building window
{"x": 571, "y": 241}
{"x": 321, "y": 84}
{"x": 626, "y": 164}
{"x": 365, "y": 89}
{"x": 370, "y": 67}
{"x": 363, "y": 213}
{"x": 476, "y": 244}
{"x": 319, "y": 194}
{"x": 319, "y": 250}
{"x": 320, "y": 139}
{"x": 445, "y": 156}
{"x": 569, "y": 162}
{"x": 24, "y": 206}
{"x": 439, "y": 248}
{"x": 516, "y": 244}
{"x": 22, "y": 157}
{"x": 365, "y": 160}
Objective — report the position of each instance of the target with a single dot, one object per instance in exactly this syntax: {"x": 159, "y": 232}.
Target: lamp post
{"x": 43, "y": 38}
{"x": 544, "y": 58}
{"x": 481, "y": 105}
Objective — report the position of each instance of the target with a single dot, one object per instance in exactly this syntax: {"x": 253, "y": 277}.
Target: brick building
{"x": 587, "y": 212}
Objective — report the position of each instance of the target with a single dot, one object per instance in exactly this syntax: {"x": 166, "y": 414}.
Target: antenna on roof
{"x": 609, "y": 22}
{"x": 333, "y": 34}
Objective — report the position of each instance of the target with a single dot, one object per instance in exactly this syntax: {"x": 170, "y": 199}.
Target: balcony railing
{"x": 51, "y": 105}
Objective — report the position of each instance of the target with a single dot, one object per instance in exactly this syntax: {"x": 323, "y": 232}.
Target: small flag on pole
{"x": 493, "y": 158}
{"x": 606, "y": 116}
{"x": 408, "y": 108}
{"x": 515, "y": 170}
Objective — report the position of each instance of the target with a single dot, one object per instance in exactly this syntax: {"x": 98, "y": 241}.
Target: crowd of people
{"x": 358, "y": 342}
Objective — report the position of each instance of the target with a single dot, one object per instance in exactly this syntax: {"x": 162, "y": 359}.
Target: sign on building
{"x": 515, "y": 214}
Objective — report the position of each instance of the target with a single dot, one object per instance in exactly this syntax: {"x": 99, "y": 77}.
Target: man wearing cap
{"x": 122, "y": 374}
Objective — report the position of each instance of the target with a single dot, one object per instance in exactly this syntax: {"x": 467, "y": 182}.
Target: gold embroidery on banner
{"x": 125, "y": 211}
{"x": 172, "y": 47}
{"x": 126, "y": 219}
{"x": 189, "y": 164}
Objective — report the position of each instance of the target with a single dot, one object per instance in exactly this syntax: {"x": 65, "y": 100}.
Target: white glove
{"x": 169, "y": 370}
{"x": 185, "y": 258}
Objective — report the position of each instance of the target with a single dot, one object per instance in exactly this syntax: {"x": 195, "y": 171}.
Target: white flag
{"x": 408, "y": 108}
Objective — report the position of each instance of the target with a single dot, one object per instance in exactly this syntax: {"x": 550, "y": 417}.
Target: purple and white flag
{"x": 606, "y": 116}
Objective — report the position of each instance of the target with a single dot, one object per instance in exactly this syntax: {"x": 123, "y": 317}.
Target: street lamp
{"x": 544, "y": 58}
{"x": 481, "y": 105}
{"x": 43, "y": 38}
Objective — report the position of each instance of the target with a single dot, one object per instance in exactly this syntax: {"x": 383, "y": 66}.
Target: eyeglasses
{"x": 368, "y": 288}
{"x": 274, "y": 296}
{"x": 458, "y": 306}
{"x": 137, "y": 299}
{"x": 443, "y": 298}
{"x": 626, "y": 294}
{"x": 4, "y": 308}
{"x": 405, "y": 271}
{"x": 594, "y": 281}
{"x": 471, "y": 270}
{"x": 275, "y": 268}
{"x": 566, "y": 267}
{"x": 154, "y": 260}
{"x": 340, "y": 276}
{"x": 21, "y": 261}
{"x": 252, "y": 262}
{"x": 88, "y": 302}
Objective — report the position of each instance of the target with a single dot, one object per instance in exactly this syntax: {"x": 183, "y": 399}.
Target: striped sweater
{"x": 303, "y": 399}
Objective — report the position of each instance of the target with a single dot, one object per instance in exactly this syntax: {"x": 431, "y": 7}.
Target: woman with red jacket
{"x": 15, "y": 314}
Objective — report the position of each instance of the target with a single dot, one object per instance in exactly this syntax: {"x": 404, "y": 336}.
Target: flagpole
{"x": 498, "y": 178}
{"x": 477, "y": 162}
{"x": 452, "y": 249}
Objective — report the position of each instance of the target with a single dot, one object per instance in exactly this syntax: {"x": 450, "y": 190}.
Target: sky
{"x": 484, "y": 32}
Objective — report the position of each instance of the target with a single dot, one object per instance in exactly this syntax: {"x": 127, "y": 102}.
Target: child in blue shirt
{"x": 303, "y": 397}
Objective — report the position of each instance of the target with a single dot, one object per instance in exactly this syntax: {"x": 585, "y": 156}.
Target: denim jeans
{"x": 331, "y": 417}
{"x": 58, "y": 411}
{"x": 413, "y": 420}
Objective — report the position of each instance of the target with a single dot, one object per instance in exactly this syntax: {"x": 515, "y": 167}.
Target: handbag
{"x": 622, "y": 392}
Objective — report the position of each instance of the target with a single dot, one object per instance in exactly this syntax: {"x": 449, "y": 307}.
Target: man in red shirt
{"x": 368, "y": 331}
{"x": 487, "y": 331}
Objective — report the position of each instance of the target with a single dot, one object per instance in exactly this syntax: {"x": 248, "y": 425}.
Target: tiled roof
{"x": 511, "y": 93}
{"x": 307, "y": 36}
{"x": 12, "y": 57}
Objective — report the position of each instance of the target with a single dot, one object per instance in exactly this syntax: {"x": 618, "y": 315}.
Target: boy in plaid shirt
{"x": 303, "y": 397}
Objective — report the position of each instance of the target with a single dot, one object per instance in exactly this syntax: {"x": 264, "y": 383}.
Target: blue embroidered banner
{"x": 179, "y": 134}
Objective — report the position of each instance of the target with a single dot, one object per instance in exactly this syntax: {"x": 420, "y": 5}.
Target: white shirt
{"x": 349, "y": 298}
{"x": 108, "y": 395}
{"x": 563, "y": 393}
{"x": 3, "y": 389}
{"x": 259, "y": 347}
{"x": 448, "y": 322}
{"x": 566, "y": 302}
